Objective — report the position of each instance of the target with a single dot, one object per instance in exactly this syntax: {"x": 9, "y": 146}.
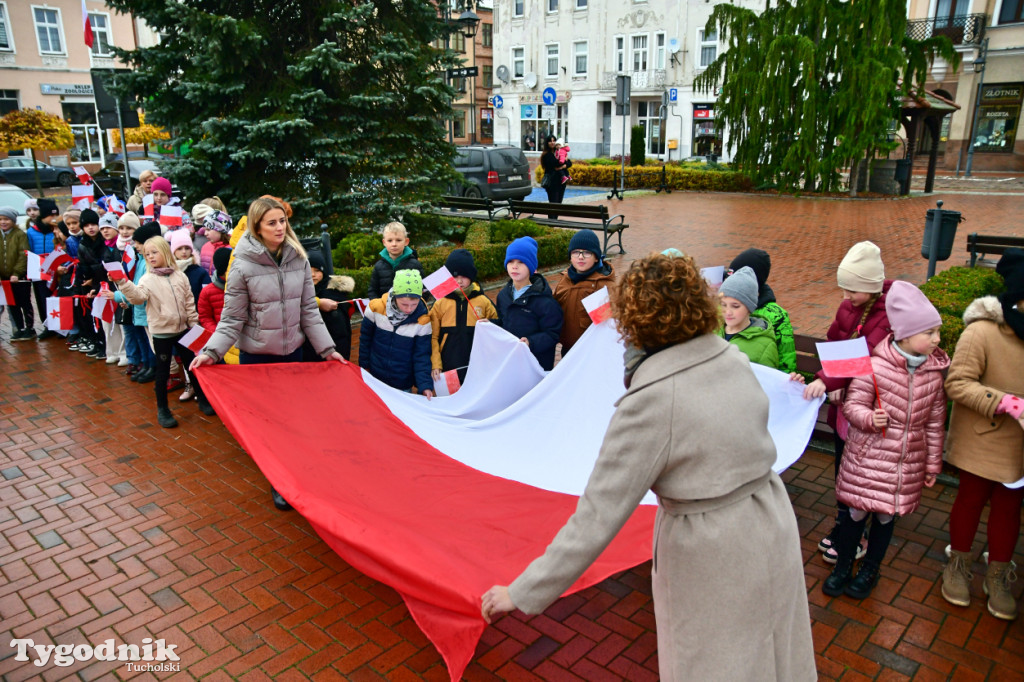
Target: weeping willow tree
{"x": 812, "y": 87}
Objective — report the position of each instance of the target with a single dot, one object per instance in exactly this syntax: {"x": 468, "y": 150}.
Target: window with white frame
{"x": 6, "y": 39}
{"x": 518, "y": 62}
{"x": 552, "y": 6}
{"x": 620, "y": 54}
{"x": 48, "y": 31}
{"x": 581, "y": 4}
{"x": 551, "y": 51}
{"x": 518, "y": 8}
{"x": 639, "y": 52}
{"x": 708, "y": 49}
{"x": 659, "y": 50}
{"x": 100, "y": 35}
{"x": 580, "y": 53}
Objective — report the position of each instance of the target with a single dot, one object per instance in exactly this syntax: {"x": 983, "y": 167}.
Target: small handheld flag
{"x": 170, "y": 216}
{"x": 448, "y": 384}
{"x": 114, "y": 205}
{"x": 60, "y": 314}
{"x": 81, "y": 196}
{"x": 103, "y": 309}
{"x": 6, "y": 293}
{"x": 115, "y": 271}
{"x": 35, "y": 267}
{"x": 440, "y": 283}
{"x": 147, "y": 205}
{"x": 845, "y": 359}
{"x": 54, "y": 260}
{"x": 195, "y": 339}
{"x": 83, "y": 175}
{"x": 598, "y": 305}
{"x": 128, "y": 261}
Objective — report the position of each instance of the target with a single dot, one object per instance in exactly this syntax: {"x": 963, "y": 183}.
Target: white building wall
{"x": 586, "y": 96}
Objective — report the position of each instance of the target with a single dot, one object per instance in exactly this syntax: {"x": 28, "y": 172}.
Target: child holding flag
{"x": 88, "y": 275}
{"x": 40, "y": 242}
{"x": 331, "y": 293}
{"x": 145, "y": 370}
{"x": 861, "y": 276}
{"x": 17, "y": 291}
{"x": 526, "y": 308}
{"x": 586, "y": 274}
{"x": 894, "y": 445}
{"x": 112, "y": 333}
{"x": 452, "y": 323}
{"x": 170, "y": 312}
{"x": 394, "y": 341}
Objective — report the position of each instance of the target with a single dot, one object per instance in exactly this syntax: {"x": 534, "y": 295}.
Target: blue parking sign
{"x": 673, "y": 95}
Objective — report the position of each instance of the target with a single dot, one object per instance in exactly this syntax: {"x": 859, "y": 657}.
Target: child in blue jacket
{"x": 526, "y": 307}
{"x": 394, "y": 340}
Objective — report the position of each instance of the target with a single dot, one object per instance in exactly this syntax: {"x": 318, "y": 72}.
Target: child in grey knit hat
{"x": 751, "y": 335}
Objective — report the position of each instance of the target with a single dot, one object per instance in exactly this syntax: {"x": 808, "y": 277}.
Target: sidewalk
{"x": 111, "y": 527}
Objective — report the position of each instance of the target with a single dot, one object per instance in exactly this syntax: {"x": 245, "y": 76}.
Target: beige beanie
{"x": 199, "y": 213}
{"x": 862, "y": 269}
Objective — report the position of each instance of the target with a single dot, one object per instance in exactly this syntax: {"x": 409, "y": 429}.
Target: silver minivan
{"x": 498, "y": 172}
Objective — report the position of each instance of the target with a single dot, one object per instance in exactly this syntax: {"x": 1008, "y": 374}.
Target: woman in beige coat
{"x": 986, "y": 439}
{"x": 729, "y": 594}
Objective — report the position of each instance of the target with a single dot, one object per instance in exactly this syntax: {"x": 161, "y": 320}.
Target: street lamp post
{"x": 979, "y": 68}
{"x": 467, "y": 24}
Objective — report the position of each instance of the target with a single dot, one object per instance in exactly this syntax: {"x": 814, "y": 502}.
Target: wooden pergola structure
{"x": 921, "y": 113}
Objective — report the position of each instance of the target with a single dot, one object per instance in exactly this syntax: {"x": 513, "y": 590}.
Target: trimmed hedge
{"x": 356, "y": 253}
{"x": 639, "y": 177}
{"x": 952, "y": 291}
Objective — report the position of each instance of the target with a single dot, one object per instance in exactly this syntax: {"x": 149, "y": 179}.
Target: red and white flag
{"x": 598, "y": 305}
{"x": 358, "y": 304}
{"x": 88, "y": 25}
{"x": 440, "y": 283}
{"x": 147, "y": 205}
{"x": 35, "y": 267}
{"x": 60, "y": 314}
{"x": 115, "y": 205}
{"x": 81, "y": 196}
{"x": 170, "y": 216}
{"x": 83, "y": 175}
{"x": 128, "y": 261}
{"x": 195, "y": 339}
{"x": 54, "y": 260}
{"x": 448, "y": 384}
{"x": 714, "y": 275}
{"x": 6, "y": 293}
{"x": 103, "y": 309}
{"x": 845, "y": 359}
{"x": 115, "y": 271}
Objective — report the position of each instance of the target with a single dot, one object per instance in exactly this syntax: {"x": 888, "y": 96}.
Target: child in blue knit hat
{"x": 526, "y": 307}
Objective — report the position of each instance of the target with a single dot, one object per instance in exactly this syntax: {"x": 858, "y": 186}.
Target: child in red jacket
{"x": 211, "y": 298}
{"x": 895, "y": 438}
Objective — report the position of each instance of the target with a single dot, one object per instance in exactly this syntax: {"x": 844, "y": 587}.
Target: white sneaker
{"x": 112, "y": 360}
{"x": 123, "y": 362}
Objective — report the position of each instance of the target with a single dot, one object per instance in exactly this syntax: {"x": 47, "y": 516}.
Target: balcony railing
{"x": 639, "y": 80}
{"x": 966, "y": 29}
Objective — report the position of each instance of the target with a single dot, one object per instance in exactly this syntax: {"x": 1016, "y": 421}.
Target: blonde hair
{"x": 395, "y": 227}
{"x": 214, "y": 202}
{"x": 258, "y": 209}
{"x": 161, "y": 245}
{"x": 147, "y": 175}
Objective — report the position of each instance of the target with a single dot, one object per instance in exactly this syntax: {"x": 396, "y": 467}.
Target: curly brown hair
{"x": 662, "y": 301}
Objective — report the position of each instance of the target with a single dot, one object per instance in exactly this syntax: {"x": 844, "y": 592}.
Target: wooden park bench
{"x": 981, "y": 245}
{"x": 458, "y": 207}
{"x": 596, "y": 216}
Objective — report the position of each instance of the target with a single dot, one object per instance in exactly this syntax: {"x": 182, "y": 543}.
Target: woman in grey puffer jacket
{"x": 269, "y": 303}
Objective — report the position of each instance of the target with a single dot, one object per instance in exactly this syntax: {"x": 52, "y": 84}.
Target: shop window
{"x": 88, "y": 136}
{"x": 6, "y": 39}
{"x": 487, "y": 123}
{"x": 998, "y": 115}
{"x": 100, "y": 35}
{"x": 48, "y": 30}
{"x": 539, "y": 121}
{"x": 648, "y": 118}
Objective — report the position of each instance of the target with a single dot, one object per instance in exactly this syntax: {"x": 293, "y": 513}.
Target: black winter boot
{"x": 279, "y": 501}
{"x": 847, "y": 537}
{"x": 879, "y": 538}
{"x": 165, "y": 419}
{"x": 205, "y": 407}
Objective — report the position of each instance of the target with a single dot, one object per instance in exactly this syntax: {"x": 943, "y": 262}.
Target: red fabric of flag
{"x": 6, "y": 293}
{"x": 88, "y": 26}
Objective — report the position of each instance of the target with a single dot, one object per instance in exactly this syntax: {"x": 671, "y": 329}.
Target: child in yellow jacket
{"x": 452, "y": 323}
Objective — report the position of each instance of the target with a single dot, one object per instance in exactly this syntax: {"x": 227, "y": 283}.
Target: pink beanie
{"x": 161, "y": 185}
{"x": 180, "y": 238}
{"x": 909, "y": 310}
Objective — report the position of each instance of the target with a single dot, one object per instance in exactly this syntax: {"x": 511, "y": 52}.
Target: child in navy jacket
{"x": 526, "y": 307}
{"x": 394, "y": 341}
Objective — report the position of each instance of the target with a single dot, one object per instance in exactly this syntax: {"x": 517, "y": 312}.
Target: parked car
{"x": 110, "y": 178}
{"x": 15, "y": 197}
{"x": 498, "y": 172}
{"x": 18, "y": 170}
{"x": 156, "y": 157}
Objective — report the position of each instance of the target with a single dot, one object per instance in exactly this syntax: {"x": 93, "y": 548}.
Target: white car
{"x": 14, "y": 197}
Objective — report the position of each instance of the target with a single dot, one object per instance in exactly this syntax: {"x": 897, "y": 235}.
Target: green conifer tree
{"x": 810, "y": 87}
{"x": 337, "y": 106}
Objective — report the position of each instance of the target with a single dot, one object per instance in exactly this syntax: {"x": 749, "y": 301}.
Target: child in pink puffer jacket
{"x": 894, "y": 449}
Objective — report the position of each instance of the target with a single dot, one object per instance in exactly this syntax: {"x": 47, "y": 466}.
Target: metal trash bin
{"x": 947, "y": 233}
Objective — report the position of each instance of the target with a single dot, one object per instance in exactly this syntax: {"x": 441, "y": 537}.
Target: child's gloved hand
{"x": 880, "y": 419}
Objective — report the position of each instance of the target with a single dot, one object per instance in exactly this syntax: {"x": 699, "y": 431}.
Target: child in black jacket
{"x": 525, "y": 305}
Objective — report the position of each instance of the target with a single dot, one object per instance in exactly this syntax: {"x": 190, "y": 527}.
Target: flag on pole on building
{"x": 170, "y": 216}
{"x": 147, "y": 205}
{"x": 195, "y": 339}
{"x": 81, "y": 196}
{"x": 83, "y": 175}
{"x": 103, "y": 309}
{"x": 598, "y": 305}
{"x": 440, "y": 283}
{"x": 60, "y": 313}
{"x": 845, "y": 359}
{"x": 88, "y": 26}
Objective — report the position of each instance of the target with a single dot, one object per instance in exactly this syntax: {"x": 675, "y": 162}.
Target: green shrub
{"x": 357, "y": 250}
{"x": 504, "y": 231}
{"x": 636, "y": 147}
{"x": 430, "y": 228}
{"x": 649, "y": 177}
{"x": 952, "y": 291}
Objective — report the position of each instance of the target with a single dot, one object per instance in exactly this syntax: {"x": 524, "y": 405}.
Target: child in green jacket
{"x": 752, "y": 335}
{"x": 767, "y": 308}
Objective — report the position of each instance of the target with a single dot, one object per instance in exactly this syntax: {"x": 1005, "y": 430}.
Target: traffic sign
{"x": 498, "y": 102}
{"x": 673, "y": 95}
{"x": 463, "y": 72}
{"x": 550, "y": 96}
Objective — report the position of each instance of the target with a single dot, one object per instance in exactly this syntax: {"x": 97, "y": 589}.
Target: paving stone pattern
{"x": 111, "y": 527}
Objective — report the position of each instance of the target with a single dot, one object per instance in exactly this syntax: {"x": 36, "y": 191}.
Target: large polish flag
{"x": 442, "y": 499}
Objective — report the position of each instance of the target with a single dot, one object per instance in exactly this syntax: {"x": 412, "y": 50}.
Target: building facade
{"x": 556, "y": 64}
{"x": 989, "y": 36}
{"x": 44, "y": 64}
{"x": 474, "y": 116}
